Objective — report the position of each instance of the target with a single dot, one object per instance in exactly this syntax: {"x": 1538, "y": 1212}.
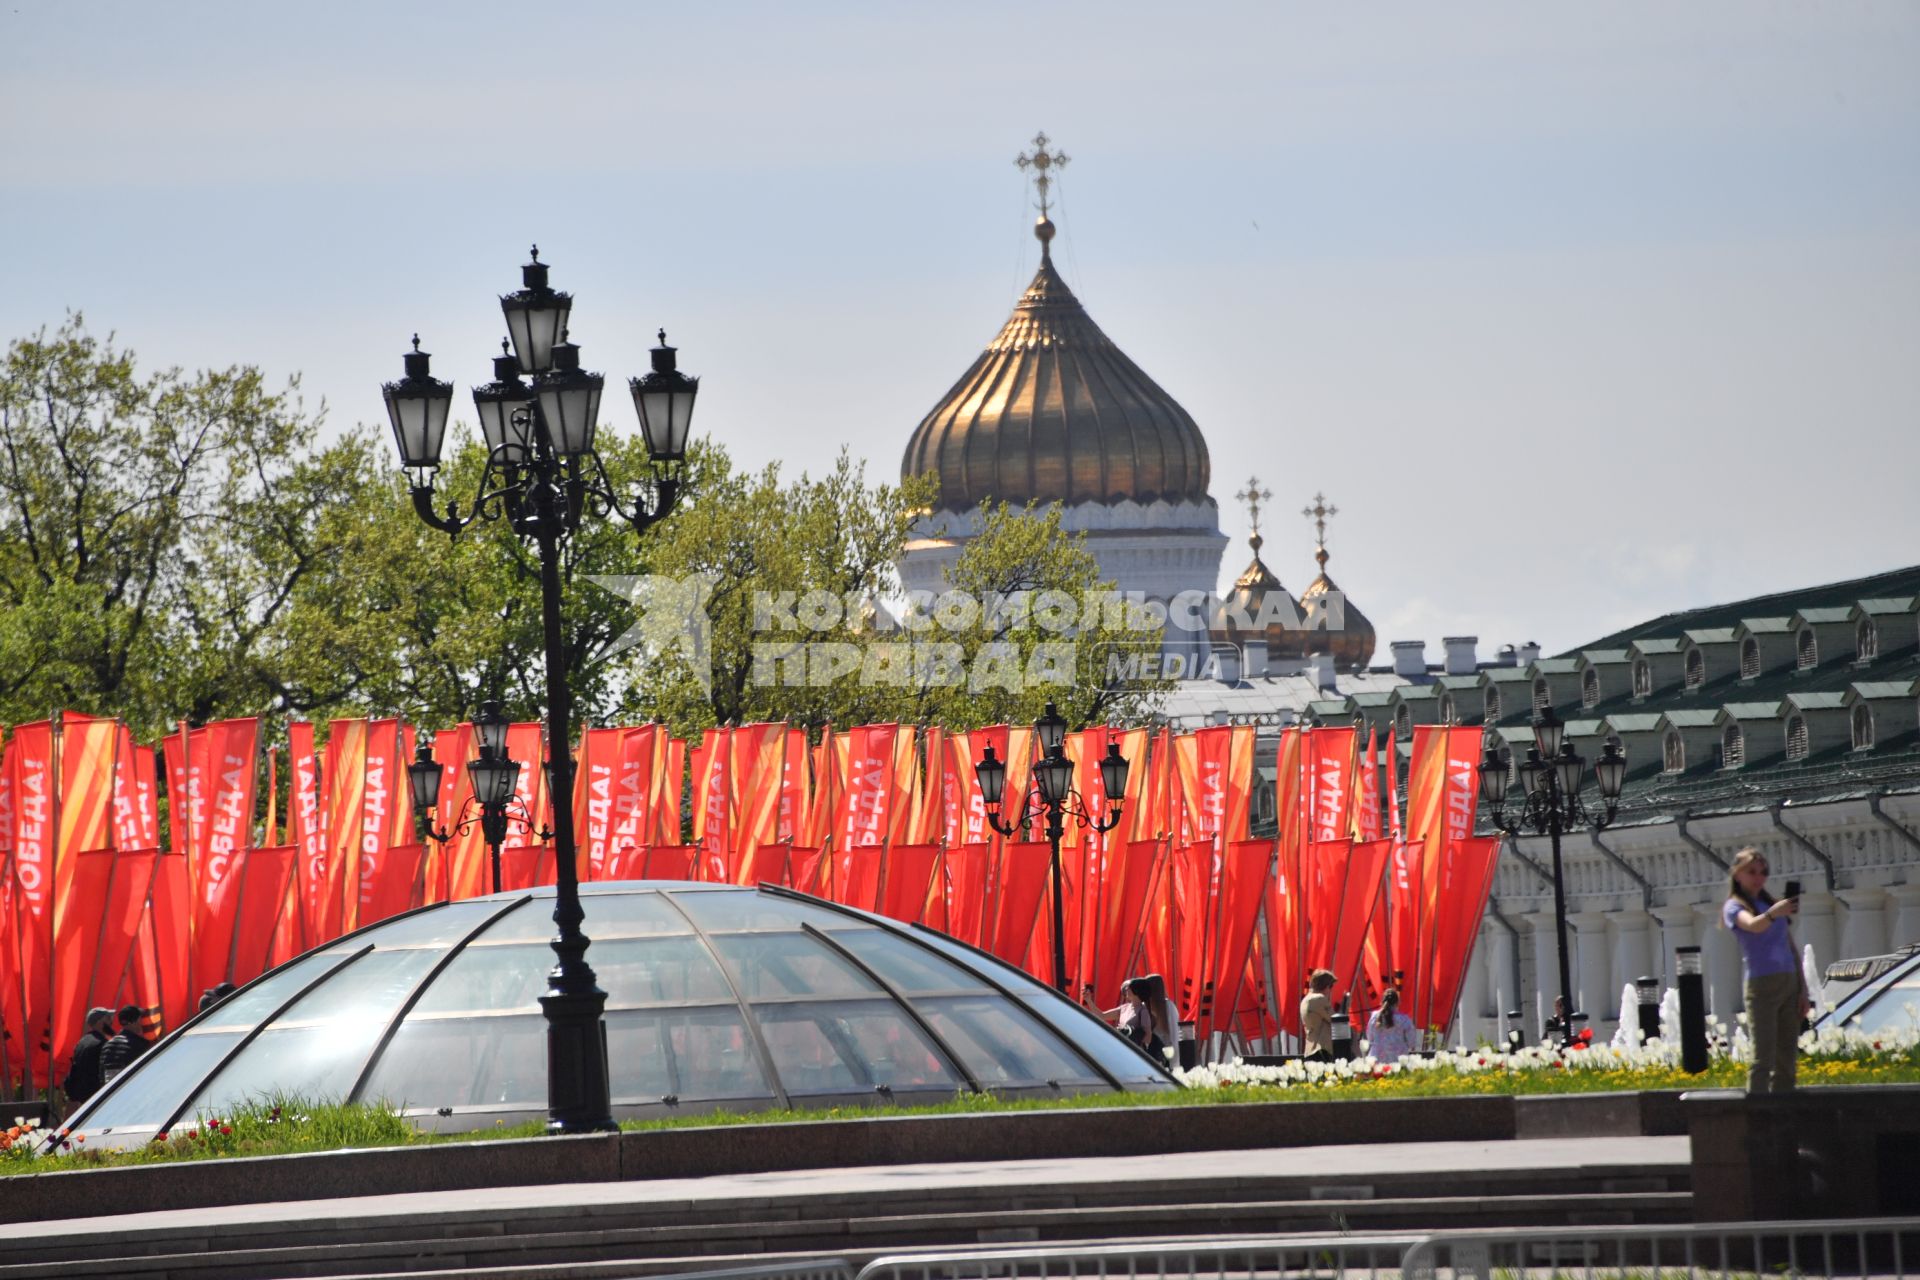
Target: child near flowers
{"x": 1390, "y": 1033}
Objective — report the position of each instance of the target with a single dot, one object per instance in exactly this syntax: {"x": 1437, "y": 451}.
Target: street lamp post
{"x": 495, "y": 778}
{"x": 1551, "y": 777}
{"x": 542, "y": 476}
{"x": 1054, "y": 798}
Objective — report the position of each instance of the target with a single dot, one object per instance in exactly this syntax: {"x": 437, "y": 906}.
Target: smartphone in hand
{"x": 1793, "y": 888}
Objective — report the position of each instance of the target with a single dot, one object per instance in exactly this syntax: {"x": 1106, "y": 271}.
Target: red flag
{"x": 909, "y": 871}
{"x": 1471, "y": 862}
{"x": 29, "y": 763}
{"x": 225, "y": 756}
{"x": 1023, "y": 883}
{"x": 967, "y": 891}
{"x": 595, "y": 807}
{"x": 163, "y": 951}
{"x": 394, "y": 885}
{"x": 670, "y": 862}
{"x": 1243, "y": 885}
{"x": 264, "y": 876}
{"x": 527, "y": 866}
{"x": 307, "y": 831}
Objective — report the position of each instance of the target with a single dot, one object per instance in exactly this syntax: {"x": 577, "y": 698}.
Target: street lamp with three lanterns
{"x": 1055, "y": 799}
{"x": 1550, "y": 780}
{"x": 496, "y": 779}
{"x": 542, "y": 476}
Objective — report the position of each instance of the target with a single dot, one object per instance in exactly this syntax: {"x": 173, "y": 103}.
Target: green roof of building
{"x": 1597, "y": 657}
{"x": 1892, "y": 585}
{"x": 1659, "y": 644}
{"x": 1508, "y": 675}
{"x": 1710, "y": 635}
{"x": 1556, "y": 666}
{"x": 1882, "y": 688}
{"x": 1889, "y": 604}
{"x": 1828, "y": 700}
{"x": 1372, "y": 698}
{"x": 1329, "y": 706}
{"x": 1753, "y": 710}
{"x": 1583, "y": 728}
{"x": 1691, "y": 717}
{"x": 1635, "y": 722}
{"x": 1415, "y": 692}
{"x": 1826, "y": 613}
{"x": 1766, "y": 626}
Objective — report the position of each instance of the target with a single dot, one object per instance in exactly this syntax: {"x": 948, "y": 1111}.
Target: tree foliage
{"x": 182, "y": 546}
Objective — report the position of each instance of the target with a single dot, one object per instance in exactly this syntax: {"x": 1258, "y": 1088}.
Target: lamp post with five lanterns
{"x": 542, "y": 477}
{"x": 1550, "y": 779}
{"x": 1055, "y": 799}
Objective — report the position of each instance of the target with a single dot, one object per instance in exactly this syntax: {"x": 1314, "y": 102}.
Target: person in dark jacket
{"x": 120, "y": 1052}
{"x": 83, "y": 1077}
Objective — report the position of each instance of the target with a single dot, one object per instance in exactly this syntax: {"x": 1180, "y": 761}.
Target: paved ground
{"x": 1344, "y": 1166}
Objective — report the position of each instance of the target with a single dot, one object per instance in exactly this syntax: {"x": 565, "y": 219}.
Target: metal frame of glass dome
{"x": 1100, "y": 1060}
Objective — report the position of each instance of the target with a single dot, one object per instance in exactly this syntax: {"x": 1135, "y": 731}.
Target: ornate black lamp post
{"x": 495, "y": 778}
{"x": 1551, "y": 777}
{"x": 1057, "y": 800}
{"x": 542, "y": 476}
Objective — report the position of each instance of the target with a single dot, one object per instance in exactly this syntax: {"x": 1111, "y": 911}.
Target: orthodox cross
{"x": 1253, "y": 495}
{"x": 1318, "y": 513}
{"x": 1042, "y": 162}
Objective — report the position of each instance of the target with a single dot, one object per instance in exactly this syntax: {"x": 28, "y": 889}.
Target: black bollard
{"x": 1648, "y": 991}
{"x": 1516, "y": 1038}
{"x": 1692, "y": 986}
{"x": 1342, "y": 1036}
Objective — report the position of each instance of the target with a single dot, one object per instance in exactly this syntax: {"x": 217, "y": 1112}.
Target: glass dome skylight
{"x": 717, "y": 998}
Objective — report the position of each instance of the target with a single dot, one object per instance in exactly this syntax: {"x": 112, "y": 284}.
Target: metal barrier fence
{"x": 817, "y": 1269}
{"x": 1823, "y": 1247}
{"x": 1245, "y": 1256}
{"x": 1851, "y": 1247}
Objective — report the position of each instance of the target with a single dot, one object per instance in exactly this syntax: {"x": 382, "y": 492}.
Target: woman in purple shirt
{"x": 1776, "y": 993}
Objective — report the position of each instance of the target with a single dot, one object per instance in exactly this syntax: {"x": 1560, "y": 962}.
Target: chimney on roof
{"x": 1410, "y": 658}
{"x": 1507, "y": 657}
{"x": 1320, "y": 665}
{"x": 1229, "y": 665}
{"x": 1529, "y": 653}
{"x": 1256, "y": 658}
{"x": 1460, "y": 656}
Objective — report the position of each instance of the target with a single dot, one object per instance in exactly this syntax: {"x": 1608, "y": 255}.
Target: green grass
{"x": 290, "y": 1126}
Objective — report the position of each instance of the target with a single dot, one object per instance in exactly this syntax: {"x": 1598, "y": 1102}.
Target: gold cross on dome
{"x": 1253, "y": 495}
{"x": 1042, "y": 162}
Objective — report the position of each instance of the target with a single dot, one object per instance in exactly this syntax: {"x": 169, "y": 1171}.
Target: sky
{"x": 1579, "y": 314}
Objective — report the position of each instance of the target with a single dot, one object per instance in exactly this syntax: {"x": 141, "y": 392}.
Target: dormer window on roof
{"x": 1807, "y": 649}
{"x": 1590, "y": 688}
{"x": 1491, "y": 703}
{"x": 1796, "y": 737}
{"x": 1403, "y": 719}
{"x": 1696, "y": 668}
{"x": 1674, "y": 753}
{"x": 1733, "y": 747}
{"x": 1542, "y": 694}
{"x": 1749, "y": 658}
{"x": 1862, "y": 727}
{"x": 1866, "y": 640}
{"x": 1642, "y": 678}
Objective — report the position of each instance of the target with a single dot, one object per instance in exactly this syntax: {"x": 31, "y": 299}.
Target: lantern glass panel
{"x": 1113, "y": 773}
{"x": 1611, "y": 772}
{"x": 1493, "y": 778}
{"x": 494, "y": 779}
{"x": 1547, "y": 734}
{"x": 1572, "y": 769}
{"x": 535, "y": 321}
{"x": 423, "y": 777}
{"x": 992, "y": 776}
{"x": 1052, "y": 730}
{"x": 570, "y": 403}
{"x": 1055, "y": 776}
{"x": 491, "y": 725}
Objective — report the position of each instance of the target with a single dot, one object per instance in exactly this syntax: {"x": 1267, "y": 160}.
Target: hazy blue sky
{"x": 1579, "y": 313}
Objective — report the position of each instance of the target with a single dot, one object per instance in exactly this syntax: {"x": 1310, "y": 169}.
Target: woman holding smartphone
{"x": 1776, "y": 994}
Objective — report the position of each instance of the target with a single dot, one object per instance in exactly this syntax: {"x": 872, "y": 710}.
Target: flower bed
{"x": 1830, "y": 1057}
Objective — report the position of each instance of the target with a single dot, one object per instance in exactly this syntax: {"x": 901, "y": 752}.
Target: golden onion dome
{"x": 1238, "y": 618}
{"x": 1353, "y": 641}
{"x": 1053, "y": 411}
